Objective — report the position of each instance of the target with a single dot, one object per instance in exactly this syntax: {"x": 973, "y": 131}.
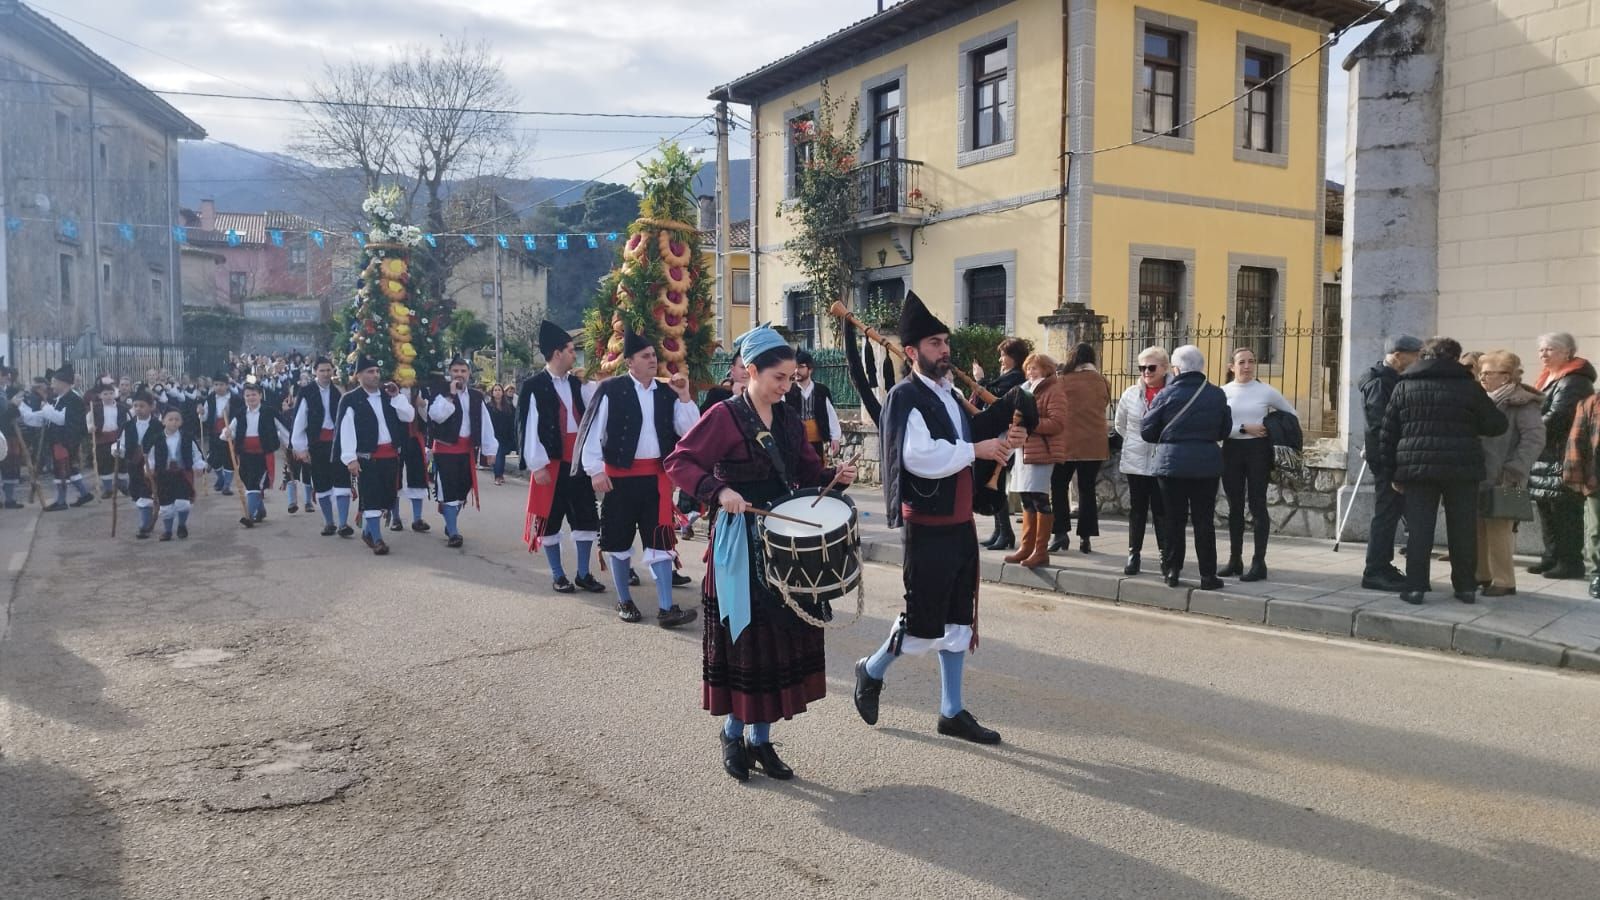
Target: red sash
{"x": 961, "y": 512}
{"x": 541, "y": 497}
{"x": 251, "y": 445}
{"x": 460, "y": 445}
{"x": 325, "y": 436}
{"x": 385, "y": 451}
{"x": 106, "y": 438}
{"x": 645, "y": 468}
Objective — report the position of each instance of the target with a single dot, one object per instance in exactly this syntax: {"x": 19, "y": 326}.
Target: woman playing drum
{"x": 761, "y": 662}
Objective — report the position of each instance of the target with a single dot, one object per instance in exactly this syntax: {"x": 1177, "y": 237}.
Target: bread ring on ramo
{"x": 634, "y": 248}
{"x": 673, "y": 253}
{"x": 675, "y": 302}
{"x": 678, "y": 279}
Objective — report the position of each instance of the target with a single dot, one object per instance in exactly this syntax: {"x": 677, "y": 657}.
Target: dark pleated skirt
{"x": 772, "y": 672}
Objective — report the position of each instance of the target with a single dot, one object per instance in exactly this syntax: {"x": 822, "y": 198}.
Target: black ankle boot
{"x": 1233, "y": 569}
{"x": 735, "y": 755}
{"x": 1003, "y": 538}
{"x": 1060, "y": 543}
{"x": 1132, "y": 568}
{"x": 1257, "y": 572}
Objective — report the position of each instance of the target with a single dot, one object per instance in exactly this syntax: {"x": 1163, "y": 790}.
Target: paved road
{"x": 269, "y": 713}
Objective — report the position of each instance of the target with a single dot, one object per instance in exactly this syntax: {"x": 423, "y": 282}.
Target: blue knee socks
{"x": 552, "y": 552}
{"x": 760, "y": 732}
{"x": 9, "y": 489}
{"x": 620, "y": 571}
{"x": 326, "y": 504}
{"x": 950, "y": 665}
{"x": 227, "y": 480}
{"x": 61, "y": 493}
{"x": 878, "y": 663}
{"x": 372, "y": 525}
{"x": 147, "y": 517}
{"x": 416, "y": 509}
{"x": 583, "y": 557}
{"x": 451, "y": 513}
{"x": 183, "y": 518}
{"x": 105, "y": 483}
{"x": 83, "y": 489}
{"x": 662, "y": 571}
{"x": 344, "y": 509}
{"x": 294, "y": 493}
{"x": 254, "y": 502}
{"x": 732, "y": 728}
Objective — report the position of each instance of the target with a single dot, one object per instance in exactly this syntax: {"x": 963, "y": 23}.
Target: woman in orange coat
{"x": 1040, "y": 452}
{"x": 1088, "y": 445}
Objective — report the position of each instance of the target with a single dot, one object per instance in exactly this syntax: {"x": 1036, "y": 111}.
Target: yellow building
{"x": 1165, "y": 217}
{"x": 738, "y": 286}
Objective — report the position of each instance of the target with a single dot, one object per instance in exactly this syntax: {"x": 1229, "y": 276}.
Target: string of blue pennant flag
{"x": 127, "y": 231}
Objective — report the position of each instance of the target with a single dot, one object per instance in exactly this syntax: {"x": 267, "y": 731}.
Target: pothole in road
{"x": 280, "y": 773}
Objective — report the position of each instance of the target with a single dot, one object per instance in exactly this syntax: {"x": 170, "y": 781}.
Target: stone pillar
{"x": 1071, "y": 324}
{"x": 1391, "y": 214}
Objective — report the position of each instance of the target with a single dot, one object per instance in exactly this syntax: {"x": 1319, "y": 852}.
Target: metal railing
{"x": 830, "y": 370}
{"x": 889, "y": 186}
{"x": 1302, "y": 361}
{"x": 32, "y": 356}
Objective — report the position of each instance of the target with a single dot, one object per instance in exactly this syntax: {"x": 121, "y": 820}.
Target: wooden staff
{"x": 838, "y": 311}
{"x": 244, "y": 506}
{"x": 994, "y": 480}
{"x": 116, "y": 470}
{"x": 28, "y": 458}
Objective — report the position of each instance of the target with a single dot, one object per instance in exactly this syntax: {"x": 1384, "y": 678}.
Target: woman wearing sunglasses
{"x": 1138, "y": 462}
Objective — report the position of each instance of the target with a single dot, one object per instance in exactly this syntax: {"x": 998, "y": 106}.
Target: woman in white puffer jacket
{"x": 1138, "y": 458}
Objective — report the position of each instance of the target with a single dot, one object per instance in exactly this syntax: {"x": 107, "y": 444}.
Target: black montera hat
{"x": 552, "y": 337}
{"x": 632, "y": 343}
{"x": 917, "y": 323}
{"x": 365, "y": 362}
{"x": 65, "y": 375}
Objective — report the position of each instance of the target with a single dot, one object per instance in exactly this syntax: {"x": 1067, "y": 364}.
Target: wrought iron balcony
{"x": 889, "y": 191}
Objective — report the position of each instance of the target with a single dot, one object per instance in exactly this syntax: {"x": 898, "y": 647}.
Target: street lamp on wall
{"x": 883, "y": 258}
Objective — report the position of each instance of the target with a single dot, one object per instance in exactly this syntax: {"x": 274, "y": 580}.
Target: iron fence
{"x": 32, "y": 356}
{"x": 889, "y": 186}
{"x": 1300, "y": 360}
{"x": 830, "y": 369}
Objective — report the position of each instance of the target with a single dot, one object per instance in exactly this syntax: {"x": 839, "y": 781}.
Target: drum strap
{"x": 754, "y": 430}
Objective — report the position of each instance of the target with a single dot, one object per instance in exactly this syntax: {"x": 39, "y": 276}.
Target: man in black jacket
{"x": 1431, "y": 449}
{"x": 1400, "y": 352}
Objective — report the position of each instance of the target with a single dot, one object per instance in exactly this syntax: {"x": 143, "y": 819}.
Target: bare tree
{"x": 350, "y": 124}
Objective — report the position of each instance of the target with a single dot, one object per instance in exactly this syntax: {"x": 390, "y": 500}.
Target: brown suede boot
{"x": 1030, "y": 536}
{"x": 1041, "y": 549}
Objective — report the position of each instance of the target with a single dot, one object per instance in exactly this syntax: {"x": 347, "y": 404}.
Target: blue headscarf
{"x": 757, "y": 341}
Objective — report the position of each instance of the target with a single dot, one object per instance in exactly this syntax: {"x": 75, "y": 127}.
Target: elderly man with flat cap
{"x": 1400, "y": 352}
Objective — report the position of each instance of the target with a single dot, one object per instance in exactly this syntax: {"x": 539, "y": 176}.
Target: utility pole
{"x": 94, "y": 223}
{"x": 723, "y": 287}
{"x": 499, "y": 315}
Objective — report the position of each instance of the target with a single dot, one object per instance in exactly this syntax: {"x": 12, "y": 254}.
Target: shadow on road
{"x": 57, "y": 840}
{"x": 38, "y": 672}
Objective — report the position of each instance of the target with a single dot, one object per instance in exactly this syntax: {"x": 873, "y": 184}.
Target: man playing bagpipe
{"x": 462, "y": 433}
{"x": 552, "y": 404}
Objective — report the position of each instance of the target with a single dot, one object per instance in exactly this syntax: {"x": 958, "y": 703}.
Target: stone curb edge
{"x": 1382, "y": 626}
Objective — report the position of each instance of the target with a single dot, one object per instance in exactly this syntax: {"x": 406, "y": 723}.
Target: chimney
{"x": 708, "y": 212}
{"x": 208, "y": 212}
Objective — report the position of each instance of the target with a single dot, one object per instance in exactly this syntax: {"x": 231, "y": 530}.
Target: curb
{"x": 1434, "y": 628}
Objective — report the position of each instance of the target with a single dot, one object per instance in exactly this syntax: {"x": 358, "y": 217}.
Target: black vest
{"x": 540, "y": 389}
{"x": 68, "y": 433}
{"x": 131, "y": 445}
{"x": 99, "y": 413}
{"x": 156, "y": 445}
{"x": 449, "y": 431}
{"x": 311, "y": 399}
{"x": 266, "y": 429}
{"x": 367, "y": 423}
{"x": 625, "y": 419}
{"x": 819, "y": 396}
{"x": 933, "y": 496}
{"x": 214, "y": 409}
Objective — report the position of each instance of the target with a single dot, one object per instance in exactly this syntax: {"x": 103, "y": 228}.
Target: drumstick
{"x": 770, "y": 514}
{"x": 835, "y": 481}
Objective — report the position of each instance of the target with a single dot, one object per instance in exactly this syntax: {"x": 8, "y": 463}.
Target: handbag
{"x": 1500, "y": 502}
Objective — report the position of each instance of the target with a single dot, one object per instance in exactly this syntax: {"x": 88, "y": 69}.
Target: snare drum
{"x": 813, "y": 566}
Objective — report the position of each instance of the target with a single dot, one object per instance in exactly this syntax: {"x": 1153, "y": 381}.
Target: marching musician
{"x": 633, "y": 424}
{"x": 172, "y": 461}
{"x": 814, "y": 403}
{"x": 928, "y": 452}
{"x": 106, "y": 417}
{"x": 296, "y": 474}
{"x": 221, "y": 406}
{"x": 256, "y": 436}
{"x": 553, "y": 402}
{"x": 63, "y": 422}
{"x": 372, "y": 421}
{"x": 761, "y": 663}
{"x": 462, "y": 433}
{"x": 313, "y": 440}
{"x": 138, "y": 433}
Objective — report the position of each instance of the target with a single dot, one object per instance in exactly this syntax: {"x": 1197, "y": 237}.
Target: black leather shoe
{"x": 767, "y": 758}
{"x": 1132, "y": 568}
{"x": 676, "y": 616}
{"x": 1212, "y": 584}
{"x": 964, "y": 726}
{"x": 1083, "y": 546}
{"x": 1172, "y": 580}
{"x": 1564, "y": 570}
{"x": 563, "y": 586}
{"x": 380, "y": 549}
{"x": 1467, "y": 596}
{"x": 735, "y": 756}
{"x": 867, "y": 691}
{"x": 588, "y": 583}
{"x": 421, "y": 526}
{"x": 83, "y": 500}
{"x": 183, "y": 532}
{"x": 633, "y": 578}
{"x": 1412, "y": 597}
{"x": 366, "y": 539}
{"x": 681, "y": 580}
{"x": 1542, "y": 566}
{"x": 247, "y": 521}
{"x": 56, "y": 507}
{"x": 454, "y": 540}
{"x": 1059, "y": 543}
{"x": 227, "y": 492}
{"x": 627, "y": 612}
{"x": 1233, "y": 569}
{"x": 165, "y": 536}
{"x": 397, "y": 525}
{"x": 142, "y": 534}
{"x": 1256, "y": 572}
{"x": 346, "y": 531}
{"x": 294, "y": 508}
{"x": 1383, "y": 583}
{"x": 329, "y": 530}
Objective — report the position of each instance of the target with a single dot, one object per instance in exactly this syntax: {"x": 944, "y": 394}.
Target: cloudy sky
{"x": 622, "y": 56}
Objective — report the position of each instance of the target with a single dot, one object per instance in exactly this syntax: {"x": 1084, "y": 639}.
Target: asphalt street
{"x": 268, "y": 713}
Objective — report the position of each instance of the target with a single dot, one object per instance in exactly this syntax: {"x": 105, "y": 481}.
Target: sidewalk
{"x": 1311, "y": 588}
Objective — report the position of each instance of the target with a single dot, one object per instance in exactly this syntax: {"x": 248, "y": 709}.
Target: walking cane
{"x": 116, "y": 471}
{"x": 244, "y": 507}
{"x": 1338, "y": 531}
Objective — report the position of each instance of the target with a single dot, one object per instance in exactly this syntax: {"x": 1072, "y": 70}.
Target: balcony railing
{"x": 889, "y": 187}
